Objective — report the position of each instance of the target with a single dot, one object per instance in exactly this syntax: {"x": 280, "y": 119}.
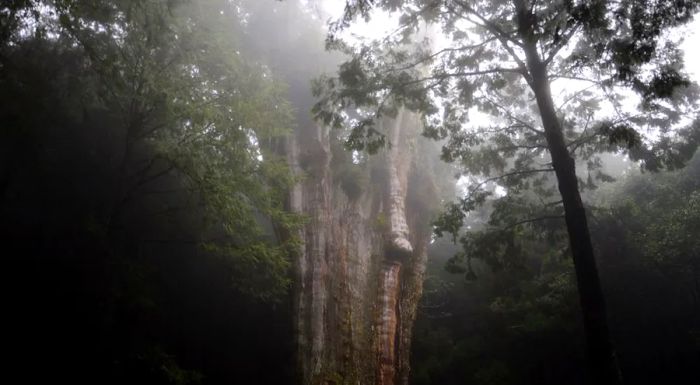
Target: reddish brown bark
{"x": 388, "y": 323}
{"x": 360, "y": 270}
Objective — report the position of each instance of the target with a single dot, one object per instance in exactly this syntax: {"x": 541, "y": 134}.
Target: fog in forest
{"x": 350, "y": 192}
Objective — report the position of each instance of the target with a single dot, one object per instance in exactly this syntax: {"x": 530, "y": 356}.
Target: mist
{"x": 366, "y": 192}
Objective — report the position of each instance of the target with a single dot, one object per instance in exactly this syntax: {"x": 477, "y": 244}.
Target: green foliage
{"x": 189, "y": 105}
{"x": 515, "y": 326}
{"x": 497, "y": 373}
{"x": 381, "y": 223}
{"x": 353, "y": 177}
{"x": 610, "y": 48}
{"x": 162, "y": 368}
{"x": 521, "y": 313}
{"x": 354, "y": 182}
{"x": 660, "y": 214}
{"x": 669, "y": 241}
{"x": 143, "y": 191}
{"x": 510, "y": 61}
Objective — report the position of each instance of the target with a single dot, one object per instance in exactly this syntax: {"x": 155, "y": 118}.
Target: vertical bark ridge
{"x": 388, "y": 322}
{"x": 359, "y": 273}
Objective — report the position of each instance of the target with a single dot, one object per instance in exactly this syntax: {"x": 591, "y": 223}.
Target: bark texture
{"x": 360, "y": 270}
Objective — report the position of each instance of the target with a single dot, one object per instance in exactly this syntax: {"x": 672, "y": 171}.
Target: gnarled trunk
{"x": 360, "y": 270}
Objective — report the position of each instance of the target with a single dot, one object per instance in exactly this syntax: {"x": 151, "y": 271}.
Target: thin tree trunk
{"x": 600, "y": 354}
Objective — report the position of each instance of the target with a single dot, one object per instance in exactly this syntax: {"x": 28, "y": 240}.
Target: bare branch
{"x": 513, "y": 173}
{"x": 488, "y": 24}
{"x": 501, "y": 35}
{"x": 574, "y": 96}
{"x": 463, "y": 74}
{"x": 413, "y": 19}
{"x": 530, "y": 220}
{"x": 561, "y": 44}
{"x": 571, "y": 77}
{"x": 515, "y": 118}
{"x": 440, "y": 52}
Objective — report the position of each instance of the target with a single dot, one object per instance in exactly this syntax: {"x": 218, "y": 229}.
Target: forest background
{"x": 143, "y": 189}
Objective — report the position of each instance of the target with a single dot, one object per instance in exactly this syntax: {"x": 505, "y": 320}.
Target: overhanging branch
{"x": 506, "y": 175}
{"x": 530, "y": 220}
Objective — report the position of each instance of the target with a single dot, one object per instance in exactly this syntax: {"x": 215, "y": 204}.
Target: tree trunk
{"x": 360, "y": 272}
{"x": 602, "y": 362}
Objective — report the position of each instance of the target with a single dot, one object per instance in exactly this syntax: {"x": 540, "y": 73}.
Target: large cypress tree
{"x": 502, "y": 57}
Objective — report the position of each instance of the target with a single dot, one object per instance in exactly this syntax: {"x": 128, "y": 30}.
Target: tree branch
{"x": 440, "y": 52}
{"x": 562, "y": 43}
{"x": 530, "y": 220}
{"x": 509, "y": 115}
{"x": 447, "y": 75}
{"x": 519, "y": 172}
{"x": 574, "y": 96}
{"x": 502, "y": 36}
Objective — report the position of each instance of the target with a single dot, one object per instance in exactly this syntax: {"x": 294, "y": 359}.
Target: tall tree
{"x": 189, "y": 104}
{"x": 502, "y": 57}
{"x": 134, "y": 133}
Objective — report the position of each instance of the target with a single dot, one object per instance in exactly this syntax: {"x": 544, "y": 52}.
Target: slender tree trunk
{"x": 602, "y": 362}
